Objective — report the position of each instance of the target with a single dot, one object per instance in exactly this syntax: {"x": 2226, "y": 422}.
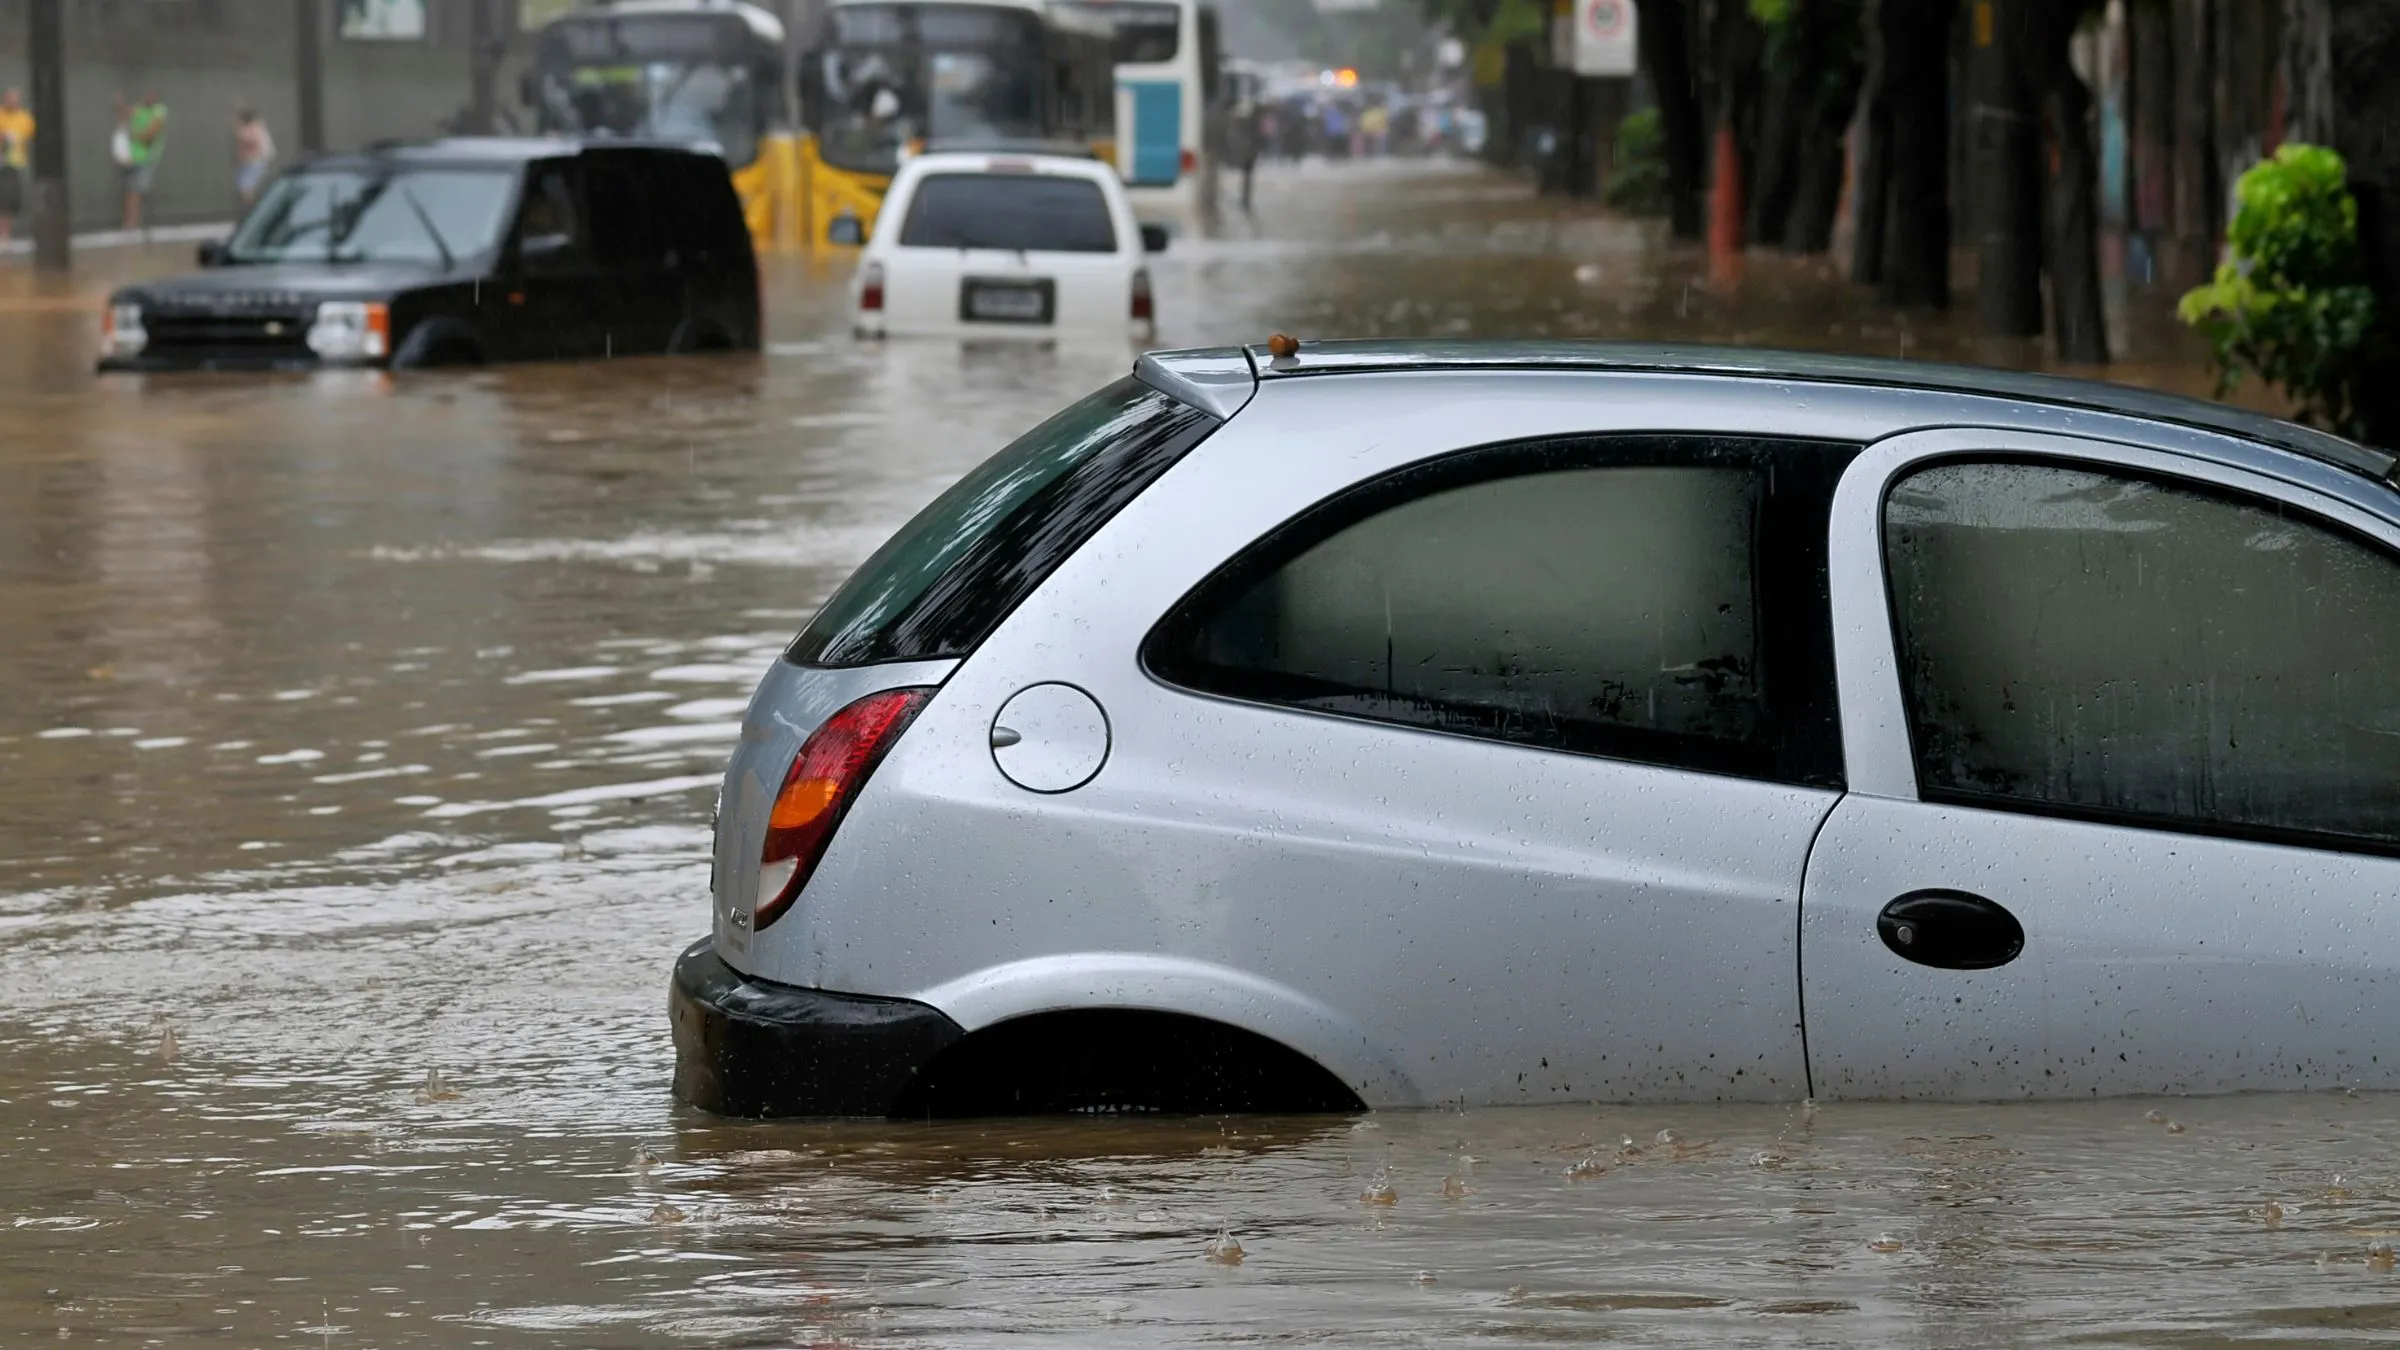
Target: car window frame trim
{"x": 1791, "y": 759}
{"x": 1908, "y": 453}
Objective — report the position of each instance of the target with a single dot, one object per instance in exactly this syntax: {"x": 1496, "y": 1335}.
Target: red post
{"x": 1725, "y": 210}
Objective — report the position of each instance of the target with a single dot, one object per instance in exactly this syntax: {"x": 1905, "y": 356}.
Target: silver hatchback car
{"x": 1399, "y": 724}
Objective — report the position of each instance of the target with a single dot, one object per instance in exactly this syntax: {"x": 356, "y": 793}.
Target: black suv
{"x": 457, "y": 251}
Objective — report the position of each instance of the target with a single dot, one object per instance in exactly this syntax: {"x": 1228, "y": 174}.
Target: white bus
{"x": 1166, "y": 75}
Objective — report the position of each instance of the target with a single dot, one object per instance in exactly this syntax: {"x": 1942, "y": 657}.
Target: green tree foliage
{"x": 1637, "y": 184}
{"x": 2291, "y": 305}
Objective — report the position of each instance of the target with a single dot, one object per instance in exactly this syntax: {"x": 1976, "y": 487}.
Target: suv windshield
{"x": 359, "y": 215}
{"x": 1019, "y": 211}
{"x": 946, "y": 580}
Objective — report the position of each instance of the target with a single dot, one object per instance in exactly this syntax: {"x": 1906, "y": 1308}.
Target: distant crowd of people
{"x": 1351, "y": 124}
{"x": 137, "y": 141}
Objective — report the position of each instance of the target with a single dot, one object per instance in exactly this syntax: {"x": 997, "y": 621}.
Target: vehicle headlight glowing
{"x": 121, "y": 331}
{"x": 351, "y": 330}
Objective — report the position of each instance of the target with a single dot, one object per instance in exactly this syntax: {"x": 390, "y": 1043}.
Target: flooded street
{"x": 357, "y": 745}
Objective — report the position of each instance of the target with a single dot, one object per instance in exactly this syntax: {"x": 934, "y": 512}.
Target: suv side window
{"x": 624, "y": 234}
{"x": 2089, "y": 642}
{"x": 1652, "y": 598}
{"x": 550, "y": 234}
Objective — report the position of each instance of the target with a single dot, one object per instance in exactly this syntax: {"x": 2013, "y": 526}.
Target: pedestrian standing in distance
{"x": 120, "y": 153}
{"x": 1242, "y": 135}
{"x": 16, "y": 158}
{"x": 253, "y": 153}
{"x": 146, "y": 141}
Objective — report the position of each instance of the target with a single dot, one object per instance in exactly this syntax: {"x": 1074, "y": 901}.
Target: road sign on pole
{"x": 1604, "y": 38}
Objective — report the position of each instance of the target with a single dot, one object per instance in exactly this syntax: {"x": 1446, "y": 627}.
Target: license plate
{"x": 989, "y": 301}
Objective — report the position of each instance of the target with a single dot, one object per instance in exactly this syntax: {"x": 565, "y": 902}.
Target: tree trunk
{"x": 1835, "y": 36}
{"x": 2003, "y": 193}
{"x": 1663, "y": 31}
{"x": 2308, "y": 71}
{"x": 1916, "y": 36}
{"x": 2365, "y": 46}
{"x": 1870, "y": 202}
{"x": 1736, "y": 47}
{"x": 1782, "y": 122}
{"x": 2070, "y": 195}
{"x": 2153, "y": 121}
{"x": 2195, "y": 194}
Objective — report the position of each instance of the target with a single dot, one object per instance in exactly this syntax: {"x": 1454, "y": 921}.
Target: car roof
{"x": 500, "y": 150}
{"x": 1211, "y": 378}
{"x": 984, "y": 161}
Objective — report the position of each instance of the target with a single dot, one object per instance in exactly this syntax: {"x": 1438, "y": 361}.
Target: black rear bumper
{"x": 746, "y": 1047}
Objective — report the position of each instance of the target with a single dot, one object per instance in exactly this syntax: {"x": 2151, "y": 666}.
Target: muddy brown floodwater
{"x": 356, "y": 744}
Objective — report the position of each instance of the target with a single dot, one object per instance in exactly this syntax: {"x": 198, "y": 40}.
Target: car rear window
{"x": 1034, "y": 212}
{"x": 946, "y": 580}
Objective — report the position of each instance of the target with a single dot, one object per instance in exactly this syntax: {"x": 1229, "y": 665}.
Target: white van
{"x": 1005, "y": 245}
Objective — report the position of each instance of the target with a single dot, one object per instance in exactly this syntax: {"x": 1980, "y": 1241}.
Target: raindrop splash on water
{"x": 645, "y": 1156}
{"x": 1884, "y": 1242}
{"x": 667, "y": 1213}
{"x": 1379, "y": 1190}
{"x": 1225, "y": 1249}
{"x": 1454, "y": 1187}
{"x": 433, "y": 1089}
{"x": 1586, "y": 1169}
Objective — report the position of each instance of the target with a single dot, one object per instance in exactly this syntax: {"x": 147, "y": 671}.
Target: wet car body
{"x": 1399, "y": 724}
{"x": 1005, "y": 245}
{"x": 585, "y": 250}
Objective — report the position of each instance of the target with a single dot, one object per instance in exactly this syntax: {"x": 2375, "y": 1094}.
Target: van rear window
{"x": 1036, "y": 212}
{"x": 940, "y": 586}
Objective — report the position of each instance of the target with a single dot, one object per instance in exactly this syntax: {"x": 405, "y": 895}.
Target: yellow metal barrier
{"x": 828, "y": 190}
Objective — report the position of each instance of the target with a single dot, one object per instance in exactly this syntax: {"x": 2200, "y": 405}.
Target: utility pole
{"x": 46, "y": 48}
{"x": 309, "y": 34}
{"x": 486, "y": 45}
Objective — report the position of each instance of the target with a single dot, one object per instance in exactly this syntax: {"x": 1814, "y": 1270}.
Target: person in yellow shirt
{"x": 16, "y": 158}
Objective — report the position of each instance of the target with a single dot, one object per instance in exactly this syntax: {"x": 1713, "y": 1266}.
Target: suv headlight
{"x": 351, "y": 330}
{"x": 121, "y": 331}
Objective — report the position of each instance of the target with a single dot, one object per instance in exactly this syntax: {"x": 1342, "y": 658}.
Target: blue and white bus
{"x": 1166, "y": 74}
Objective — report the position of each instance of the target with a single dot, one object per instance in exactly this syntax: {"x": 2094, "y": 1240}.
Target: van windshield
{"x": 355, "y": 215}
{"x": 946, "y": 580}
{"x": 1018, "y": 211}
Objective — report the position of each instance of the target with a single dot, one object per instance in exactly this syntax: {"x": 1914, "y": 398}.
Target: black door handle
{"x": 1950, "y": 930}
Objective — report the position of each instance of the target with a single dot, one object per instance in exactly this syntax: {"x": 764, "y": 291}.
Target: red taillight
{"x": 824, "y": 779}
{"x": 1143, "y": 307}
{"x": 870, "y": 287}
{"x": 1190, "y": 161}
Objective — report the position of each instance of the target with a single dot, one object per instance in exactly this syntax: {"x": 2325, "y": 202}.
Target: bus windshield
{"x": 1148, "y": 33}
{"x": 685, "y": 77}
{"x": 896, "y": 74}
{"x": 700, "y": 101}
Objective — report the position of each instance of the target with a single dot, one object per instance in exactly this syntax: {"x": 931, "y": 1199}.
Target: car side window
{"x": 549, "y": 227}
{"x": 624, "y": 233}
{"x": 1659, "y": 599}
{"x": 2091, "y": 642}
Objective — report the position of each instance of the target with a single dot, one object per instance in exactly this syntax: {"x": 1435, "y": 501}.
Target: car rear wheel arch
{"x": 1120, "y": 1061}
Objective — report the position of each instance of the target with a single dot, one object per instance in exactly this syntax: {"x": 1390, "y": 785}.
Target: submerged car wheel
{"x": 1120, "y": 1061}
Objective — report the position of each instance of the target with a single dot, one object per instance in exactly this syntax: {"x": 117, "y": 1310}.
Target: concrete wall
{"x": 201, "y": 56}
